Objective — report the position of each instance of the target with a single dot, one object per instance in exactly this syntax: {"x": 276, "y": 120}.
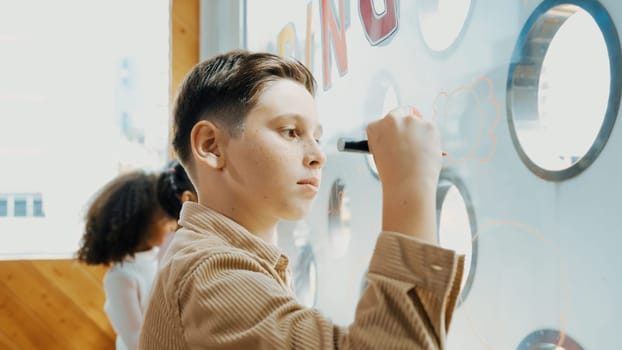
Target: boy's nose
{"x": 314, "y": 156}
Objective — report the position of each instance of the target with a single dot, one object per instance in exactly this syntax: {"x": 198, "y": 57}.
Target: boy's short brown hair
{"x": 223, "y": 89}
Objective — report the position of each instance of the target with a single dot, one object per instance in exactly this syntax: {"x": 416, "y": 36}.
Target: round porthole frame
{"x": 454, "y": 43}
{"x": 521, "y": 65}
{"x": 363, "y": 283}
{"x": 339, "y": 229}
{"x": 547, "y": 337}
{"x": 448, "y": 179}
{"x": 306, "y": 257}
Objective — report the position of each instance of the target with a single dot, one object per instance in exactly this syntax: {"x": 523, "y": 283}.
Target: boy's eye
{"x": 291, "y": 133}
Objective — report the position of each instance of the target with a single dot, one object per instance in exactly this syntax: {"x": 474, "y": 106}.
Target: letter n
{"x": 334, "y": 33}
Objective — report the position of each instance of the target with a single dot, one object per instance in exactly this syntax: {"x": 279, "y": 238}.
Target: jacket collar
{"x": 202, "y": 219}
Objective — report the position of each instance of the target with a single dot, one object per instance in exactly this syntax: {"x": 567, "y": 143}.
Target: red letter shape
{"x": 378, "y": 29}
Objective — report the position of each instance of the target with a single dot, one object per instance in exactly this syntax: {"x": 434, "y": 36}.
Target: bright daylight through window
{"x": 83, "y": 97}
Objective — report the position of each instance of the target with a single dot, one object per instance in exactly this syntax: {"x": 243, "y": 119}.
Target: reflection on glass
{"x": 441, "y": 21}
{"x": 455, "y": 228}
{"x": 339, "y": 216}
{"x": 305, "y": 276}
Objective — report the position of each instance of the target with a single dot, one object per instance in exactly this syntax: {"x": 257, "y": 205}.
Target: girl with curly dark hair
{"x": 125, "y": 225}
{"x": 174, "y": 188}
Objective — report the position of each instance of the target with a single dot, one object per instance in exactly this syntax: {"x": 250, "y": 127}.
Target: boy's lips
{"x": 312, "y": 181}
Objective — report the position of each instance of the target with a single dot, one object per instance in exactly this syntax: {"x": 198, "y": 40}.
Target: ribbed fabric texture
{"x": 220, "y": 287}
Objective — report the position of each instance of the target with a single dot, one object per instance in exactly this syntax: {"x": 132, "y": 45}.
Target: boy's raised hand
{"x": 407, "y": 153}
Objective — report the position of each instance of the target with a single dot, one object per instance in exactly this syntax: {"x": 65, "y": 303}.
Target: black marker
{"x": 349, "y": 145}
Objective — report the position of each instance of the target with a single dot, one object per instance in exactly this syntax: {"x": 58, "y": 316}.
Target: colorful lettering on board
{"x": 309, "y": 38}
{"x": 378, "y": 26}
{"x": 333, "y": 36}
{"x": 287, "y": 40}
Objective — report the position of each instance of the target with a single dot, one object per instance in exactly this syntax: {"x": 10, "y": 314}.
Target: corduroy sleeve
{"x": 232, "y": 301}
{"x": 412, "y": 291}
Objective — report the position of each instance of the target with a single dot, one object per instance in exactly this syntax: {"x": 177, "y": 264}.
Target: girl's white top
{"x": 128, "y": 287}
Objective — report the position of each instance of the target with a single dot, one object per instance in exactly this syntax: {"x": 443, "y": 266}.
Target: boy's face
{"x": 274, "y": 165}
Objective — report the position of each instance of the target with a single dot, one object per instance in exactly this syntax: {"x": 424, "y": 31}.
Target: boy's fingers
{"x": 402, "y": 111}
{"x": 395, "y": 115}
{"x": 405, "y": 111}
{"x": 415, "y": 112}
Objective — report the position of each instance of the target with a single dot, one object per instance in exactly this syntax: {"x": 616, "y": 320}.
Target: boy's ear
{"x": 206, "y": 140}
{"x": 188, "y": 196}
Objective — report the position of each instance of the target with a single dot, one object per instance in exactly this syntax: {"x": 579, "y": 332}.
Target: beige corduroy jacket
{"x": 221, "y": 287}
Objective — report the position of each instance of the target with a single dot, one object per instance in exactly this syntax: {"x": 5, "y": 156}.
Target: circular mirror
{"x": 305, "y": 276}
{"x": 442, "y": 21}
{"x": 456, "y": 226}
{"x": 563, "y": 90}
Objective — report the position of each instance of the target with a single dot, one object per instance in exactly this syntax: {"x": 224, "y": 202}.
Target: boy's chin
{"x": 295, "y": 214}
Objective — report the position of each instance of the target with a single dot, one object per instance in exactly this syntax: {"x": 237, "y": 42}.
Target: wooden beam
{"x": 185, "y": 36}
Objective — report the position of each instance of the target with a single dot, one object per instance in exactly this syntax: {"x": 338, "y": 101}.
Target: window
{"x": 4, "y": 207}
{"x": 106, "y": 81}
{"x": 37, "y": 207}
{"x": 20, "y": 207}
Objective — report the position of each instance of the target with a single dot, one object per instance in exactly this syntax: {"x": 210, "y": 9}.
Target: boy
{"x": 246, "y": 130}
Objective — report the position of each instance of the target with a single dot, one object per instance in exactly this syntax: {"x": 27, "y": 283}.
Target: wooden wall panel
{"x": 184, "y": 39}
{"x": 52, "y": 304}
{"x": 6, "y": 343}
{"x": 71, "y": 280}
{"x": 185, "y": 47}
{"x": 19, "y": 325}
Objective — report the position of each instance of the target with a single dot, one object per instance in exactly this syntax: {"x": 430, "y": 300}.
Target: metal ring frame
{"x": 524, "y": 73}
